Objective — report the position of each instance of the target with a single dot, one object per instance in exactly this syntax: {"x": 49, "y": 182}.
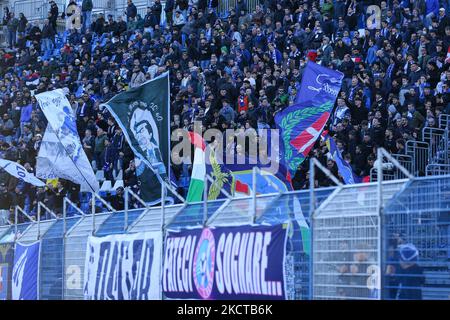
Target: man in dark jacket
{"x": 5, "y": 203}
{"x": 35, "y": 33}
{"x": 53, "y": 14}
{"x": 410, "y": 275}
{"x": 13, "y": 24}
{"x": 169, "y": 11}
{"x": 86, "y": 11}
{"x": 131, "y": 11}
{"x": 117, "y": 201}
{"x": 22, "y": 24}
{"x": 48, "y": 35}
{"x": 156, "y": 12}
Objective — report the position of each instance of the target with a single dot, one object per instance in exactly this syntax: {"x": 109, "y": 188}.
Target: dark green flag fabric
{"x": 143, "y": 113}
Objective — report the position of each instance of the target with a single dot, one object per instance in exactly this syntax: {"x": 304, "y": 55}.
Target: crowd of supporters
{"x": 234, "y": 71}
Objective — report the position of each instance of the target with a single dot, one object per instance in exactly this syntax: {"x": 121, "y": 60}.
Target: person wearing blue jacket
{"x": 432, "y": 10}
{"x": 371, "y": 53}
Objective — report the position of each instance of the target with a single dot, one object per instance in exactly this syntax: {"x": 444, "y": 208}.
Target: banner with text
{"x": 244, "y": 262}
{"x": 25, "y": 275}
{"x": 123, "y": 267}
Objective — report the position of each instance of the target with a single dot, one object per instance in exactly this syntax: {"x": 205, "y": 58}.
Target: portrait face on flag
{"x": 143, "y": 114}
{"x": 143, "y": 127}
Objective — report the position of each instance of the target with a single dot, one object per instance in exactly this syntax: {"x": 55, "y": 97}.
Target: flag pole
{"x": 78, "y": 169}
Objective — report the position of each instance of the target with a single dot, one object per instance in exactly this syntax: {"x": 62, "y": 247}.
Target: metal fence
{"x": 343, "y": 256}
{"x": 346, "y": 242}
{"x": 419, "y": 216}
{"x": 444, "y": 121}
{"x": 391, "y": 172}
{"x": 420, "y": 152}
{"x": 36, "y": 10}
{"x": 438, "y": 141}
{"x": 75, "y": 253}
{"x": 437, "y": 169}
{"x": 226, "y": 5}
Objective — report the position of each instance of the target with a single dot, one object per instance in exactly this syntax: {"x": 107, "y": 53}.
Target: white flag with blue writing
{"x": 61, "y": 119}
{"x": 18, "y": 171}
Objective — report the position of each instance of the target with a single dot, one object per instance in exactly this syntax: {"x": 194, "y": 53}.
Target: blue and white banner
{"x": 61, "y": 119}
{"x": 25, "y": 275}
{"x": 223, "y": 263}
{"x": 302, "y": 122}
{"x": 18, "y": 171}
{"x": 344, "y": 168}
{"x": 6, "y": 265}
{"x": 123, "y": 267}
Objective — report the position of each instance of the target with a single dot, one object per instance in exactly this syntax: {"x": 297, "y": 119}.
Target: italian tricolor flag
{"x": 197, "y": 183}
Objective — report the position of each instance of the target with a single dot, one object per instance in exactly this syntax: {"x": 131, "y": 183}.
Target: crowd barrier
{"x": 344, "y": 254}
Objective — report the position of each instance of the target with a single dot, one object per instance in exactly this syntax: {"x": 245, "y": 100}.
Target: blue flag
{"x": 26, "y": 271}
{"x": 302, "y": 123}
{"x": 345, "y": 169}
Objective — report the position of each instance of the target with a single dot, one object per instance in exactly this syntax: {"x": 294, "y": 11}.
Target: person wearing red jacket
{"x": 242, "y": 103}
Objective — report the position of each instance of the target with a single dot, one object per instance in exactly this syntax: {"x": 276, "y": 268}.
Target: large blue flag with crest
{"x": 302, "y": 123}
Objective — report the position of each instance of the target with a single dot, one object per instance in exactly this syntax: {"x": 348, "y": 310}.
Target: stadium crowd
{"x": 235, "y": 72}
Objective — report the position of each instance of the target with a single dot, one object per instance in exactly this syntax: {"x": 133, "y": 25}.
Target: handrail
{"x": 73, "y": 205}
{"x": 218, "y": 211}
{"x": 272, "y": 184}
{"x": 384, "y": 153}
{"x": 16, "y": 215}
{"x": 128, "y": 191}
{"x": 137, "y": 198}
{"x": 326, "y": 171}
{"x": 442, "y": 121}
{"x": 210, "y": 179}
{"x": 25, "y": 214}
{"x": 40, "y": 204}
{"x": 96, "y": 196}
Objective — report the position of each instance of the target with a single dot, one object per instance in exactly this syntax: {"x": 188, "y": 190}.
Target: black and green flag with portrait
{"x": 143, "y": 114}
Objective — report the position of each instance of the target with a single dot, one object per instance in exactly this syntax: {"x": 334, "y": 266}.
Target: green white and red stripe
{"x": 197, "y": 183}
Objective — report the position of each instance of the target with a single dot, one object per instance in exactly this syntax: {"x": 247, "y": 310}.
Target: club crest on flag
{"x": 302, "y": 123}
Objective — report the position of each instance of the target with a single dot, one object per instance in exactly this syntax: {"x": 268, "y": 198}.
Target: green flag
{"x": 143, "y": 113}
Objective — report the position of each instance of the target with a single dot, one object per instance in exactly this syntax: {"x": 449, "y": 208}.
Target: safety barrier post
{"x": 16, "y": 213}
{"x": 125, "y": 227}
{"x": 63, "y": 265}
{"x": 205, "y": 202}
{"x": 312, "y": 173}
{"x": 93, "y": 213}
{"x": 254, "y": 194}
{"x": 163, "y": 213}
{"x": 39, "y": 221}
{"x": 379, "y": 211}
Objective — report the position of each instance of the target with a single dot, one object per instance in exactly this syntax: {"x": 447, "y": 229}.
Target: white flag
{"x": 54, "y": 158}
{"x": 18, "y": 171}
{"x": 53, "y": 162}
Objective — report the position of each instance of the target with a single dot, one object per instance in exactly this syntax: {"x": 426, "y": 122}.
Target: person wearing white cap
{"x": 443, "y": 21}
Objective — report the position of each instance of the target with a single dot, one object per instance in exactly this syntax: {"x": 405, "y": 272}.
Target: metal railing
{"x": 444, "y": 121}
{"x": 226, "y": 5}
{"x": 348, "y": 230}
{"x": 437, "y": 169}
{"x": 437, "y": 140}
{"x": 391, "y": 172}
{"x": 36, "y": 10}
{"x": 420, "y": 153}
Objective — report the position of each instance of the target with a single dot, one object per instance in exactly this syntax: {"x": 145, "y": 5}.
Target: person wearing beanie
{"x": 410, "y": 275}
{"x": 312, "y": 56}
